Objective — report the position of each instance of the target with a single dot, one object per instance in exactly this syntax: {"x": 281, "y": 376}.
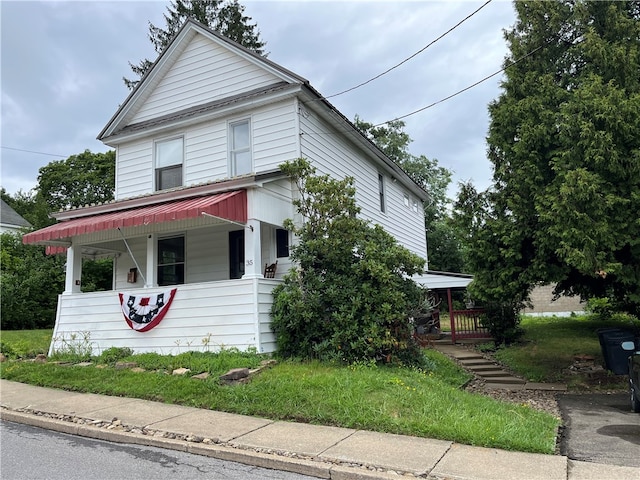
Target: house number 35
{"x": 249, "y": 262}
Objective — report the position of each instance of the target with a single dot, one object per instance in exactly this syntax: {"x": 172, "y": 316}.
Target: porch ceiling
{"x": 441, "y": 280}
{"x": 230, "y": 206}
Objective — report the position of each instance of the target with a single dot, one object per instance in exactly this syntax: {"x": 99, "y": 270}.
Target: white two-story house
{"x": 200, "y": 201}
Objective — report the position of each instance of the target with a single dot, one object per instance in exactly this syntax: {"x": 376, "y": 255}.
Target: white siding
{"x": 223, "y": 312}
{"x": 330, "y": 153}
{"x": 274, "y": 136}
{"x": 207, "y": 255}
{"x": 134, "y": 169}
{"x": 204, "y": 72}
{"x": 205, "y": 153}
{"x": 274, "y": 142}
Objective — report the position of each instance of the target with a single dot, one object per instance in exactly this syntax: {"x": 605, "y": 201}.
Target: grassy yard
{"x": 429, "y": 403}
{"x": 25, "y": 343}
{"x": 552, "y": 344}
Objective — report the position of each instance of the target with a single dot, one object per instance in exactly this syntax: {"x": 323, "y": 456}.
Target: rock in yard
{"x": 121, "y": 365}
{"x": 235, "y": 374}
{"x": 180, "y": 371}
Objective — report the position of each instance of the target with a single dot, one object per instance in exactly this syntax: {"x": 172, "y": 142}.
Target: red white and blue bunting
{"x": 143, "y": 311}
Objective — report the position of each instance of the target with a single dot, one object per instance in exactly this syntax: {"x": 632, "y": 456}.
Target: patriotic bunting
{"x": 143, "y": 311}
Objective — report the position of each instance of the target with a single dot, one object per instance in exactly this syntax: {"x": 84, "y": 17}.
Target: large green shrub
{"x": 349, "y": 297}
{"x": 31, "y": 282}
{"x": 502, "y": 319}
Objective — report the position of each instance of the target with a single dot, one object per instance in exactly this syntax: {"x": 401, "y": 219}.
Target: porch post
{"x": 73, "y": 274}
{"x": 452, "y": 317}
{"x": 252, "y": 250}
{"x": 150, "y": 272}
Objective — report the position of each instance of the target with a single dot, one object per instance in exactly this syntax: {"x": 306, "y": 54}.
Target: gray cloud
{"x": 63, "y": 63}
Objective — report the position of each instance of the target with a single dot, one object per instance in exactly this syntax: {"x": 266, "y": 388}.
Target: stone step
{"x": 475, "y": 362}
{"x": 495, "y": 373}
{"x": 483, "y": 368}
{"x": 505, "y": 386}
{"x": 506, "y": 380}
{"x": 458, "y": 355}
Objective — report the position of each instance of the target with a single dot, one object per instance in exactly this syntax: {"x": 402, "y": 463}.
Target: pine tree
{"x": 564, "y": 141}
{"x": 224, "y": 16}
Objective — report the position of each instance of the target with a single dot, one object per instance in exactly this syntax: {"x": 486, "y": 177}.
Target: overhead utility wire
{"x": 464, "y": 89}
{"x": 31, "y": 151}
{"x": 412, "y": 56}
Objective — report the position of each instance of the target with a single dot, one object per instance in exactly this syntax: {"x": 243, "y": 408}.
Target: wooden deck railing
{"x": 466, "y": 324}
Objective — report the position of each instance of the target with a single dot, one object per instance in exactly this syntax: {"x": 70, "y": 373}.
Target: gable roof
{"x": 286, "y": 82}
{"x": 10, "y": 218}
{"x": 170, "y": 55}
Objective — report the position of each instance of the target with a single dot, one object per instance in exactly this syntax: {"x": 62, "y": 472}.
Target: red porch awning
{"x": 230, "y": 205}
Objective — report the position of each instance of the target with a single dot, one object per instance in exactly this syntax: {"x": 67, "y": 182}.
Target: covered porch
{"x": 206, "y": 253}
{"x": 464, "y": 323}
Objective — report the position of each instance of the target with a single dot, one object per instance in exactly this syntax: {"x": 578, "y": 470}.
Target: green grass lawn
{"x": 398, "y": 400}
{"x": 25, "y": 343}
{"x": 550, "y": 345}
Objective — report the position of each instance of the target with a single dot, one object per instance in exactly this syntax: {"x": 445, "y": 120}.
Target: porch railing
{"x": 466, "y": 324}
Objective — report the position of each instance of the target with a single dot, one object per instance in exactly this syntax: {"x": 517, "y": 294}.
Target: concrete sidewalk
{"x": 319, "y": 451}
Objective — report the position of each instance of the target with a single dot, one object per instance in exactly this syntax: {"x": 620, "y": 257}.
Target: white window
{"x": 406, "y": 200}
{"x": 240, "y": 161}
{"x": 169, "y": 157}
{"x": 415, "y": 206}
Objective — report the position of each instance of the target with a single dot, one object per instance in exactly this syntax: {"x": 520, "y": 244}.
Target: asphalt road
{"x": 600, "y": 428}
{"x": 33, "y": 453}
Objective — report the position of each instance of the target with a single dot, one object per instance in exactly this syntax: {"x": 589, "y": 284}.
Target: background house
{"x": 10, "y": 220}
{"x": 200, "y": 201}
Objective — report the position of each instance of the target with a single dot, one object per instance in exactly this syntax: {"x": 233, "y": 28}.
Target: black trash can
{"x": 615, "y": 358}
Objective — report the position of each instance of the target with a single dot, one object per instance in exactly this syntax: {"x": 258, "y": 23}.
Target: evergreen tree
{"x": 564, "y": 141}
{"x": 224, "y": 16}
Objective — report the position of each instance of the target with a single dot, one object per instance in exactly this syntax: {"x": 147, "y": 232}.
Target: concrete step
{"x": 482, "y": 368}
{"x": 505, "y": 386}
{"x": 506, "y": 381}
{"x": 471, "y": 362}
{"x": 495, "y": 374}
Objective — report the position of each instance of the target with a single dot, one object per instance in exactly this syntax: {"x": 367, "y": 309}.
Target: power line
{"x": 412, "y": 56}
{"x": 31, "y": 151}
{"x": 464, "y": 89}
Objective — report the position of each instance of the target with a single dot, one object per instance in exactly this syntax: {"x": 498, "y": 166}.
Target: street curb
{"x": 318, "y": 469}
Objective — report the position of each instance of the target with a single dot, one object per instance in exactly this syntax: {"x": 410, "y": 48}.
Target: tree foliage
{"x": 564, "y": 141}
{"x": 349, "y": 297}
{"x": 443, "y": 246}
{"x": 224, "y": 16}
{"x": 83, "y": 179}
{"x": 31, "y": 282}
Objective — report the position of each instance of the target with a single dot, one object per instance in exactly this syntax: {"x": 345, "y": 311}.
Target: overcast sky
{"x": 63, "y": 63}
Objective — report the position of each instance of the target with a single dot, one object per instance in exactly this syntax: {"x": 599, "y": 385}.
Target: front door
{"x": 236, "y": 254}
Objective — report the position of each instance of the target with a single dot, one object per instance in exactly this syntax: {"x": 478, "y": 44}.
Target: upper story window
{"x": 405, "y": 200}
{"x": 381, "y": 191}
{"x": 240, "y": 161}
{"x": 414, "y": 205}
{"x": 169, "y": 158}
